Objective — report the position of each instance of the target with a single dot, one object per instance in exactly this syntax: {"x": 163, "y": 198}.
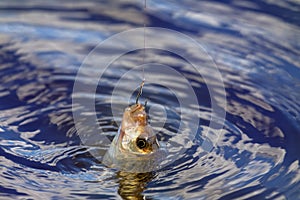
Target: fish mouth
{"x": 136, "y": 107}
{"x": 138, "y": 113}
{"x": 134, "y": 115}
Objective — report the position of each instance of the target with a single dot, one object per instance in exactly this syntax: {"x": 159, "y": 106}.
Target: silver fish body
{"x": 135, "y": 148}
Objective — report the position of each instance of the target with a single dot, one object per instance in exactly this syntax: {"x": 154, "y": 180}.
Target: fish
{"x": 135, "y": 147}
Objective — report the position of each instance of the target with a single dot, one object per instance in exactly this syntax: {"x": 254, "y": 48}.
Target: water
{"x": 255, "y": 45}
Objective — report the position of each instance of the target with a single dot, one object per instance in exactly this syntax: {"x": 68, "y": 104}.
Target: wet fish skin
{"x": 135, "y": 148}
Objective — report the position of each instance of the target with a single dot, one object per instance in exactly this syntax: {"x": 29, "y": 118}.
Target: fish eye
{"x": 141, "y": 143}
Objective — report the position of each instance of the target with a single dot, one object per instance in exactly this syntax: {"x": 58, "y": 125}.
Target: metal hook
{"x": 140, "y": 92}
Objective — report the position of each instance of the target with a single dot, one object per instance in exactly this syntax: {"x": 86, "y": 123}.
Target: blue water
{"x": 254, "y": 44}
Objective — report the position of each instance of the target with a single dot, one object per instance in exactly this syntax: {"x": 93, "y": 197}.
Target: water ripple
{"x": 254, "y": 44}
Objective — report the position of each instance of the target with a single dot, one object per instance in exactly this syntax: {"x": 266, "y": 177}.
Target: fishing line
{"x": 144, "y": 56}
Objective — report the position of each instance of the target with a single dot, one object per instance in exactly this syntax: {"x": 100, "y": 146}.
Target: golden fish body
{"x": 135, "y": 148}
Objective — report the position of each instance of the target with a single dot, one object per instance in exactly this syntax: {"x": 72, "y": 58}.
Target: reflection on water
{"x": 256, "y": 47}
{"x": 132, "y": 185}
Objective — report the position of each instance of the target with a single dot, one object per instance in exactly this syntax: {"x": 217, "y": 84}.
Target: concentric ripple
{"x": 255, "y": 46}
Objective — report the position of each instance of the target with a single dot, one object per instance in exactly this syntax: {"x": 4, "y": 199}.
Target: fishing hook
{"x": 140, "y": 92}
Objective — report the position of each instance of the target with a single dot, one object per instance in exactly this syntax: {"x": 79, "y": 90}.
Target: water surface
{"x": 255, "y": 45}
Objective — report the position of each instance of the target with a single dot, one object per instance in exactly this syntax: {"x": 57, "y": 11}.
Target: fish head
{"x": 136, "y": 134}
